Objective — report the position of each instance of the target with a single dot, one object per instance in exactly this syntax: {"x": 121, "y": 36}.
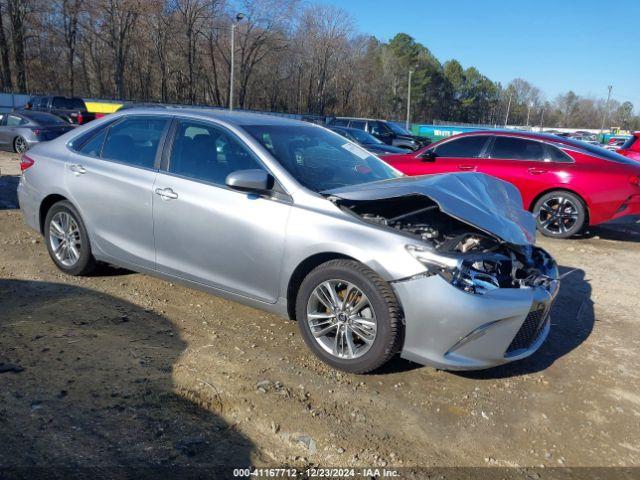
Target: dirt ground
{"x": 125, "y": 369}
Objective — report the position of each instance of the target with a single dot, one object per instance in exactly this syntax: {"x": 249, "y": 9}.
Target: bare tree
{"x": 17, "y": 11}
{"x": 120, "y": 17}
{"x": 5, "y": 77}
{"x": 70, "y": 13}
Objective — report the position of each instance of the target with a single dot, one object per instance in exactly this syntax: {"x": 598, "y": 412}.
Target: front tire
{"x": 560, "y": 214}
{"x": 67, "y": 240}
{"x": 349, "y": 316}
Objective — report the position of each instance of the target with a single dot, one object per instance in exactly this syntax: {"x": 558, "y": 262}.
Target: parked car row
{"x": 568, "y": 184}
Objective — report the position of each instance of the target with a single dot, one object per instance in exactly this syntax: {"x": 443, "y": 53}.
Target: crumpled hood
{"x": 486, "y": 202}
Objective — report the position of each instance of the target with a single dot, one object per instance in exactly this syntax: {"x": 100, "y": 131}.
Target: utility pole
{"x": 409, "y": 101}
{"x": 542, "y": 120}
{"x": 506, "y": 117}
{"x": 529, "y": 112}
{"x": 239, "y": 17}
{"x": 605, "y": 114}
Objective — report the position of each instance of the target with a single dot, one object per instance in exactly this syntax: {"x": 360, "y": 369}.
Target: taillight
{"x": 80, "y": 118}
{"x": 634, "y": 180}
{"x": 26, "y": 162}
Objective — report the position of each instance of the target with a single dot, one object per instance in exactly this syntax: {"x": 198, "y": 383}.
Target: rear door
{"x": 531, "y": 165}
{"x": 110, "y": 177}
{"x": 205, "y": 231}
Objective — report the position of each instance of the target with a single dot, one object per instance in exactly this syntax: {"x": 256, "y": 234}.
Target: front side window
{"x": 340, "y": 122}
{"x": 134, "y": 141}
{"x": 359, "y": 124}
{"x": 204, "y": 152}
{"x": 318, "y": 159}
{"x": 511, "y": 148}
{"x": 464, "y": 147}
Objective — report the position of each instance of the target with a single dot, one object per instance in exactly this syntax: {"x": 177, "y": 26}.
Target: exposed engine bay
{"x": 484, "y": 258}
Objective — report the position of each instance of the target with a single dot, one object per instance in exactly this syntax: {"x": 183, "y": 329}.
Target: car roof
{"x": 227, "y": 116}
{"x": 365, "y": 119}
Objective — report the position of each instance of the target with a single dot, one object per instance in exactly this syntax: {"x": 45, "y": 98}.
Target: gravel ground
{"x": 125, "y": 369}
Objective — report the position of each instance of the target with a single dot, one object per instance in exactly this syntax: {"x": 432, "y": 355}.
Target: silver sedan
{"x": 294, "y": 219}
{"x": 20, "y": 130}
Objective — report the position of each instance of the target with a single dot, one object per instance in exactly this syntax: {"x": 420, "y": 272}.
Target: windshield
{"x": 361, "y": 136}
{"x": 319, "y": 159}
{"x": 397, "y": 129}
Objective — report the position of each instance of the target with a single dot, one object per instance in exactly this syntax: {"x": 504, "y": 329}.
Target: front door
{"x": 208, "y": 233}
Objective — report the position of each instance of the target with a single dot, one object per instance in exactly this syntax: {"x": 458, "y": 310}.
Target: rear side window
{"x": 340, "y": 122}
{"x": 359, "y": 124}
{"x": 15, "y": 121}
{"x": 68, "y": 103}
{"x": 204, "y": 152}
{"x": 464, "y": 147}
{"x": 134, "y": 141}
{"x": 556, "y": 155}
{"x": 511, "y": 148}
{"x": 94, "y": 146}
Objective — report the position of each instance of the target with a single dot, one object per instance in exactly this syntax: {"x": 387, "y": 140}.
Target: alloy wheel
{"x": 341, "y": 319}
{"x": 20, "y": 145}
{"x": 558, "y": 215}
{"x": 64, "y": 238}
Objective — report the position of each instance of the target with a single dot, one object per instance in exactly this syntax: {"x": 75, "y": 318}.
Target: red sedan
{"x": 631, "y": 148}
{"x": 568, "y": 184}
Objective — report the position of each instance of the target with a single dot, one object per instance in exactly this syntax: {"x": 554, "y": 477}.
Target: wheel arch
{"x": 45, "y": 206}
{"x": 302, "y": 270}
{"x": 561, "y": 189}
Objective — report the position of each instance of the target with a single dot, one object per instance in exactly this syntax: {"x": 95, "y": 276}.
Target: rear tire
{"x": 364, "y": 331}
{"x": 560, "y": 214}
{"x": 20, "y": 145}
{"x": 67, "y": 240}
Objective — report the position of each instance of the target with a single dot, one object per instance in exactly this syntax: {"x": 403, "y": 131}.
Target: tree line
{"x": 290, "y": 56}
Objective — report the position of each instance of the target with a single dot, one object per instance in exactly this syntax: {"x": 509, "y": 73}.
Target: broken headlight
{"x": 477, "y": 273}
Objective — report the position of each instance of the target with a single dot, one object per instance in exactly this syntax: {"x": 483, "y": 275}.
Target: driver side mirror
{"x": 254, "y": 180}
{"x": 428, "y": 156}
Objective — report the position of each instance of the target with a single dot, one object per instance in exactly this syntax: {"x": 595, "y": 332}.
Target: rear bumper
{"x": 454, "y": 330}
{"x": 27, "y": 199}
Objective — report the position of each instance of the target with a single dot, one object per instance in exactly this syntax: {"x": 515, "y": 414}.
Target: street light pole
{"x": 605, "y": 114}
{"x": 239, "y": 17}
{"x": 506, "y": 117}
{"x": 409, "y": 101}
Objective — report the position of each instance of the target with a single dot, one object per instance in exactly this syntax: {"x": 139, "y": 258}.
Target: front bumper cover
{"x": 454, "y": 330}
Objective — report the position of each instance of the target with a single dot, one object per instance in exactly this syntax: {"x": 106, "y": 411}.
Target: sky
{"x": 557, "y": 45}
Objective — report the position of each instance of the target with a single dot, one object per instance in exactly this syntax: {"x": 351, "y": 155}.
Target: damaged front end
{"x": 472, "y": 232}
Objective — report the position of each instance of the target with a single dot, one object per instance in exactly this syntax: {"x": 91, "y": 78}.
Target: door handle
{"x": 537, "y": 171}
{"x": 78, "y": 169}
{"x": 466, "y": 167}
{"x": 166, "y": 193}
